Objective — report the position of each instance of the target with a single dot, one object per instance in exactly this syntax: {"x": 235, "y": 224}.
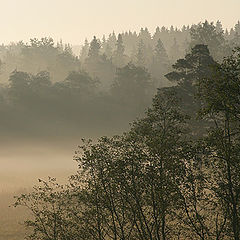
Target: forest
{"x": 108, "y": 84}
{"x": 167, "y": 108}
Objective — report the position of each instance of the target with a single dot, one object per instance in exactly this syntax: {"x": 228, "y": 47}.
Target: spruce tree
{"x": 175, "y": 51}
{"x": 160, "y": 54}
{"x": 140, "y": 58}
{"x": 94, "y": 48}
{"x": 119, "y": 53}
{"x": 160, "y": 64}
{"x": 219, "y": 27}
{"x": 206, "y": 33}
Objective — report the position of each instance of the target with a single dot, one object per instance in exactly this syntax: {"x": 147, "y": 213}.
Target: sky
{"x": 74, "y": 20}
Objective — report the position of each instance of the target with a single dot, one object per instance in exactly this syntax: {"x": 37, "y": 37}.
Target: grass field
{"x": 21, "y": 168}
{"x": 11, "y": 219}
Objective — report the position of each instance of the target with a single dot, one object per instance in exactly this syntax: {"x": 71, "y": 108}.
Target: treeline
{"x": 46, "y": 88}
{"x": 100, "y": 58}
{"x": 32, "y": 103}
{"x": 174, "y": 175}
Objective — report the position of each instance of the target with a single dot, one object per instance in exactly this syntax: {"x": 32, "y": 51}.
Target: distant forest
{"x": 47, "y": 89}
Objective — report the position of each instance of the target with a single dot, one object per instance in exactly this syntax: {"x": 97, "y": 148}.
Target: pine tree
{"x": 172, "y": 29}
{"x": 60, "y": 46}
{"x": 160, "y": 54}
{"x": 206, "y": 33}
{"x": 112, "y": 40}
{"x": 160, "y": 64}
{"x": 84, "y": 51}
{"x": 236, "y": 39}
{"x": 231, "y": 33}
{"x": 120, "y": 47}
{"x": 156, "y": 36}
{"x": 145, "y": 36}
{"x": 108, "y": 51}
{"x": 119, "y": 53}
{"x": 94, "y": 48}
{"x": 219, "y": 27}
{"x": 237, "y": 27}
{"x": 226, "y": 34}
{"x": 140, "y": 58}
{"x": 68, "y": 49}
{"x": 104, "y": 44}
{"x": 175, "y": 52}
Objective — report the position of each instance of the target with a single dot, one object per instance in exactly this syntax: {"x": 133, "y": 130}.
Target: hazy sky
{"x": 73, "y": 20}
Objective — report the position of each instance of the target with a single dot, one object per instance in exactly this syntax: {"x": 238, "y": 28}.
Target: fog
{"x": 24, "y": 162}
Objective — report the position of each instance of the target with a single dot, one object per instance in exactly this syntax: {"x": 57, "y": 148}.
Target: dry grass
{"x": 11, "y": 219}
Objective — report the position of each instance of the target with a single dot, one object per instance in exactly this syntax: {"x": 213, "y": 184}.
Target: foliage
{"x": 161, "y": 179}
